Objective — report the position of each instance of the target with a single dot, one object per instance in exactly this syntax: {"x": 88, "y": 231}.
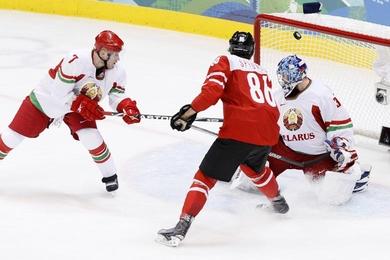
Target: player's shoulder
{"x": 320, "y": 89}
{"x": 220, "y": 60}
{"x": 78, "y": 57}
{"x": 278, "y": 95}
{"x": 238, "y": 63}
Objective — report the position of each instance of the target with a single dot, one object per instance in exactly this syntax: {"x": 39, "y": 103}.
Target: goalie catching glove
{"x": 180, "y": 121}
{"x": 87, "y": 108}
{"x": 341, "y": 152}
{"x": 130, "y": 111}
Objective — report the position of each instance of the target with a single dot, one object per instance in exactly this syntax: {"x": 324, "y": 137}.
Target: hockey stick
{"x": 274, "y": 155}
{"x": 164, "y": 117}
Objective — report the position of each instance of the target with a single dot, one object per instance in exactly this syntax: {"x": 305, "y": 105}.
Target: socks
{"x": 265, "y": 181}
{"x": 197, "y": 194}
{"x": 4, "y": 149}
{"x": 94, "y": 143}
{"x": 9, "y": 139}
{"x": 100, "y": 154}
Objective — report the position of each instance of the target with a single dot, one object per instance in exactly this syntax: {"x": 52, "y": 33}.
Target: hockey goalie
{"x": 313, "y": 125}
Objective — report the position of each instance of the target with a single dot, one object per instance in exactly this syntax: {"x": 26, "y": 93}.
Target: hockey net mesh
{"x": 344, "y": 64}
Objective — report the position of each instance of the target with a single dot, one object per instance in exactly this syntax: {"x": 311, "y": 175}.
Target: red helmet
{"x": 109, "y": 40}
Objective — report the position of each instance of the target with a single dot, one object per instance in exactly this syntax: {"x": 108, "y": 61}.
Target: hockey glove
{"x": 341, "y": 152}
{"x": 130, "y": 111}
{"x": 182, "y": 124}
{"x": 87, "y": 108}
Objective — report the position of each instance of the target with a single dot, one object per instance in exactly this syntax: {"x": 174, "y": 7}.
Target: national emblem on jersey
{"x": 293, "y": 119}
{"x": 92, "y": 91}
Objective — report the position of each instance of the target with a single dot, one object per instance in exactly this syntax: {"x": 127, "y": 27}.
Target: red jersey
{"x": 249, "y": 108}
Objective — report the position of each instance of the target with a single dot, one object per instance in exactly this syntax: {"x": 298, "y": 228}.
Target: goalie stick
{"x": 274, "y": 155}
{"x": 164, "y": 117}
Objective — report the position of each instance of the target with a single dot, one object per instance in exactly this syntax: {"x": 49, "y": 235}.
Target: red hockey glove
{"x": 130, "y": 111}
{"x": 87, "y": 108}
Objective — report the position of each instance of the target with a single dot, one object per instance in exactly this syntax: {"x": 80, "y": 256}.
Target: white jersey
{"x": 310, "y": 118}
{"x": 57, "y": 90}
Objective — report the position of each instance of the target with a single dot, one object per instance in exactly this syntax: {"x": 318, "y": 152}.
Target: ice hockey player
{"x": 70, "y": 91}
{"x": 314, "y": 122}
{"x": 249, "y": 130}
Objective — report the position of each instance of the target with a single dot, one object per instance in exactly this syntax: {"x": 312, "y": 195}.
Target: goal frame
{"x": 337, "y": 30}
{"x": 310, "y": 26}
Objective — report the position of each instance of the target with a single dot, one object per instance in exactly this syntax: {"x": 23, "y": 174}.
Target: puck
{"x": 297, "y": 35}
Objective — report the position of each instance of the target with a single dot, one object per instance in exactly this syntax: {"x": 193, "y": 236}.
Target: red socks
{"x": 265, "y": 181}
{"x": 4, "y": 149}
{"x": 197, "y": 194}
{"x": 100, "y": 154}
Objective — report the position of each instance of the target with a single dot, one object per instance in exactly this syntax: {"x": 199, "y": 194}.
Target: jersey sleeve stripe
{"x": 315, "y": 110}
{"x": 218, "y": 74}
{"x": 218, "y": 82}
{"x": 339, "y": 127}
{"x": 67, "y": 78}
{"x": 35, "y": 101}
{"x": 338, "y": 122}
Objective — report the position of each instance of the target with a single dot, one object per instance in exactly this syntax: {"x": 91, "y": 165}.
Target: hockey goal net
{"x": 338, "y": 51}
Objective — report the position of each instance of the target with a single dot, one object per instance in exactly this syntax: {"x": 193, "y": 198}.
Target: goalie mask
{"x": 291, "y": 71}
{"x": 242, "y": 45}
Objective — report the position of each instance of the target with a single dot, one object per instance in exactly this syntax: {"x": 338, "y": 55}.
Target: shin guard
{"x": 265, "y": 181}
{"x": 197, "y": 194}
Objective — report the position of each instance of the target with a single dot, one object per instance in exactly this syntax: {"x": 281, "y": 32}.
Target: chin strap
{"x": 105, "y": 61}
{"x": 100, "y": 72}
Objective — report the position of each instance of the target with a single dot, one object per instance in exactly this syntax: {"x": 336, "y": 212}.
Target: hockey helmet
{"x": 109, "y": 40}
{"x": 241, "y": 44}
{"x": 291, "y": 71}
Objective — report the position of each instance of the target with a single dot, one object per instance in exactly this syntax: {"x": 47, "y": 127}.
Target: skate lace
{"x": 182, "y": 227}
{"x": 278, "y": 200}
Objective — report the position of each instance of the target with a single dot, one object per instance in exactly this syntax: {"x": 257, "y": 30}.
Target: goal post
{"x": 338, "y": 51}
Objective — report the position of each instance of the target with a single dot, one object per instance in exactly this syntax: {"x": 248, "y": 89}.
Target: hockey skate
{"x": 280, "y": 205}
{"x": 111, "y": 183}
{"x": 173, "y": 236}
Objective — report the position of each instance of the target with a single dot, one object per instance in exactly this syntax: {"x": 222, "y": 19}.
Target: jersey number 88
{"x": 255, "y": 83}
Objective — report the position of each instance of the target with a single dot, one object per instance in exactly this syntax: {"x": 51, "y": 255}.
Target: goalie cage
{"x": 339, "y": 51}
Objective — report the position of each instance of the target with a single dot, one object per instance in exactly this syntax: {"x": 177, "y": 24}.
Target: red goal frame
{"x": 311, "y": 26}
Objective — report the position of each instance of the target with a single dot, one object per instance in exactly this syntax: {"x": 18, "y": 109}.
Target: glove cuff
{"x": 76, "y": 102}
{"x": 125, "y": 103}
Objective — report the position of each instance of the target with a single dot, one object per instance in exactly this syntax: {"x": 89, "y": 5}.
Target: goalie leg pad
{"x": 362, "y": 184}
{"x": 336, "y": 188}
{"x": 242, "y": 182}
